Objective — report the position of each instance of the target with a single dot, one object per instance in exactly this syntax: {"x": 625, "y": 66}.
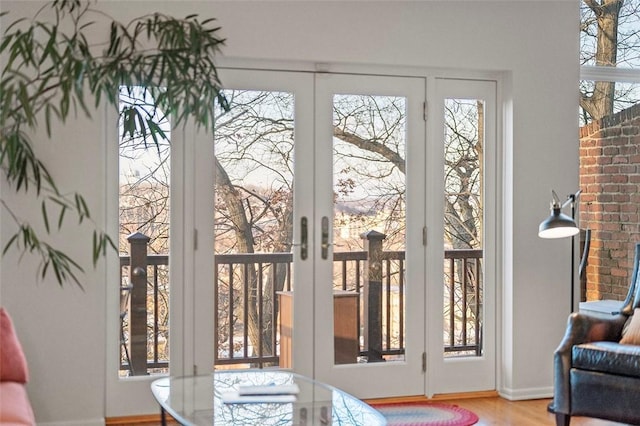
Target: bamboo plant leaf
{"x": 55, "y": 75}
{"x": 45, "y": 216}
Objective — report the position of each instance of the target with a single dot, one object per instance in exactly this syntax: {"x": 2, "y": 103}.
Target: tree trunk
{"x": 245, "y": 244}
{"x": 600, "y": 103}
{"x": 275, "y": 281}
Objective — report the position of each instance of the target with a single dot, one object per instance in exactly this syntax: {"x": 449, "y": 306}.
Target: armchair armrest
{"x": 581, "y": 328}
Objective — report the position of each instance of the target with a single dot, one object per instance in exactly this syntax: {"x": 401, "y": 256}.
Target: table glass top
{"x": 214, "y": 400}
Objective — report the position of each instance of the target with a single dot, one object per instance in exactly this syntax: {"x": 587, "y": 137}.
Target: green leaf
{"x": 6, "y": 41}
{"x": 63, "y": 210}
{"x": 23, "y": 97}
{"x": 45, "y": 266}
{"x": 47, "y": 118}
{"x": 96, "y": 248}
{"x": 81, "y": 207}
{"x": 45, "y": 217}
{"x": 56, "y": 73}
{"x": 11, "y": 241}
{"x": 49, "y": 49}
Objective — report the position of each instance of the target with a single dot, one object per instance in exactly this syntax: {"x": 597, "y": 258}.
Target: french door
{"x": 329, "y": 168}
{"x": 181, "y": 171}
{"x": 369, "y": 155}
{"x": 354, "y": 227}
{"x": 264, "y": 215}
{"x": 462, "y": 217}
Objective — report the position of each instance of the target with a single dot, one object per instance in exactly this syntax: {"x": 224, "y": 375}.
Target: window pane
{"x": 254, "y": 146}
{"x": 606, "y": 98}
{"x": 463, "y": 243}
{"x": 369, "y": 147}
{"x": 143, "y": 241}
{"x": 599, "y": 47}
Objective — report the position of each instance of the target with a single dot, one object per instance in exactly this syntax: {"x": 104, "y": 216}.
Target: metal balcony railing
{"x": 247, "y": 311}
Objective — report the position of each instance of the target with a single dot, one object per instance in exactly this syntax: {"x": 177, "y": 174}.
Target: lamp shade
{"x": 558, "y": 225}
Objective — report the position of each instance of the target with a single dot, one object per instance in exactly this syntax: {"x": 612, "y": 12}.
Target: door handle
{"x": 324, "y": 246}
{"x": 304, "y": 238}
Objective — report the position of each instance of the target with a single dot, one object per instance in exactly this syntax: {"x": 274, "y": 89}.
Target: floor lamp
{"x": 559, "y": 225}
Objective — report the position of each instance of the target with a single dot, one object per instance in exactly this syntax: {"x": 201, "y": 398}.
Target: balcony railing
{"x": 247, "y": 311}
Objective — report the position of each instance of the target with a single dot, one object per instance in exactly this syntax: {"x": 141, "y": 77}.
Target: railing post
{"x": 138, "y": 312}
{"x": 373, "y": 295}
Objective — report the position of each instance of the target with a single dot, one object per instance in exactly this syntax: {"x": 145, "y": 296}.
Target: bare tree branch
{"x": 372, "y": 146}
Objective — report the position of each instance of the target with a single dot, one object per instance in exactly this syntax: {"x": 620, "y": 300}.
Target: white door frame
{"x": 190, "y": 269}
{"x": 131, "y": 396}
{"x": 461, "y": 374}
{"x": 363, "y": 379}
{"x": 301, "y": 85}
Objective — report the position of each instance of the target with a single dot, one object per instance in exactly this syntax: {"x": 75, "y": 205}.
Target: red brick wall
{"x": 610, "y": 183}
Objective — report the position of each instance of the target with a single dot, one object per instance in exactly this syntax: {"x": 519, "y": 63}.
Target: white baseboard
{"x": 87, "y": 422}
{"x": 522, "y": 394}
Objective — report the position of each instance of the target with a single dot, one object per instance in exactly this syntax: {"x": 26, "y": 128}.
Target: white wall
{"x": 534, "y": 45}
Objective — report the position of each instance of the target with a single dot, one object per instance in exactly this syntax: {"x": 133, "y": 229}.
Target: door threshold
{"x": 436, "y": 397}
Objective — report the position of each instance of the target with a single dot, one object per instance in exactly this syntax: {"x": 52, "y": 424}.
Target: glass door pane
{"x": 263, "y": 205}
{"x": 253, "y": 224}
{"x": 369, "y": 151}
{"x": 369, "y": 276}
{"x": 143, "y": 207}
{"x": 463, "y": 220}
{"x": 140, "y": 206}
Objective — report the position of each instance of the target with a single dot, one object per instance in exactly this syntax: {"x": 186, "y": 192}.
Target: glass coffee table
{"x": 259, "y": 397}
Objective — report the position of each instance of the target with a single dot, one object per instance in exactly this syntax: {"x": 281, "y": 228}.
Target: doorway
{"x": 336, "y": 253}
{"x": 312, "y": 175}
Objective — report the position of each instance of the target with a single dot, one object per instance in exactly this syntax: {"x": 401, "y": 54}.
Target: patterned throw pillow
{"x": 631, "y": 331}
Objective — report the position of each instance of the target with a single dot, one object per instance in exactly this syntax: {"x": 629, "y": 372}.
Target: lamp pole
{"x": 573, "y": 250}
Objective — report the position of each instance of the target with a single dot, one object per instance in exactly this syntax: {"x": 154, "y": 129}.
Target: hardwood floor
{"x": 491, "y": 410}
{"x": 498, "y": 411}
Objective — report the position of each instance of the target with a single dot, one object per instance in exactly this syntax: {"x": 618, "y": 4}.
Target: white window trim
{"x": 612, "y": 74}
